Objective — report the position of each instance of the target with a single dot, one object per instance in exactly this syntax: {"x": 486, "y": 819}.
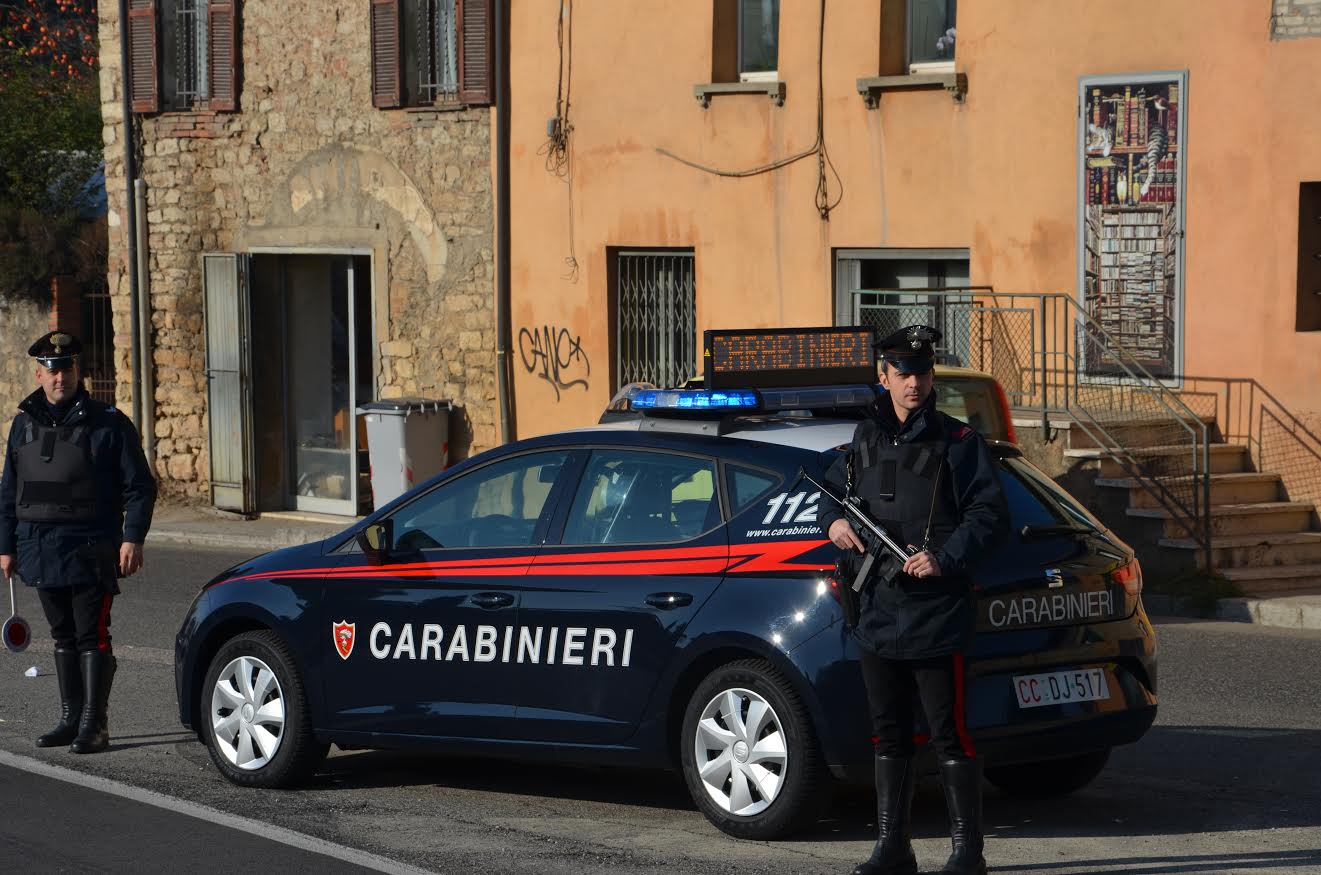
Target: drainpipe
{"x": 146, "y": 373}
{"x": 502, "y": 235}
{"x": 130, "y": 174}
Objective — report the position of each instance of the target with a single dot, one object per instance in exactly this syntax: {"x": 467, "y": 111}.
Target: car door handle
{"x": 491, "y": 600}
{"x": 668, "y": 600}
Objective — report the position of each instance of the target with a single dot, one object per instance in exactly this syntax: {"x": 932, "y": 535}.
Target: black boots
{"x": 962, "y": 780}
{"x": 71, "y": 699}
{"x": 893, "y": 854}
{"x": 98, "y": 674}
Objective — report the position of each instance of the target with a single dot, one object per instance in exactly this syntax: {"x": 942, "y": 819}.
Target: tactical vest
{"x": 56, "y": 481}
{"x": 906, "y": 489}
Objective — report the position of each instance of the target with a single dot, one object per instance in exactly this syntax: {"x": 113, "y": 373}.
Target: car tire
{"x": 254, "y": 716}
{"x": 780, "y": 780}
{"x": 1049, "y": 777}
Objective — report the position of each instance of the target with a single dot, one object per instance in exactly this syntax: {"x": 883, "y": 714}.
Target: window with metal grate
{"x": 654, "y": 316}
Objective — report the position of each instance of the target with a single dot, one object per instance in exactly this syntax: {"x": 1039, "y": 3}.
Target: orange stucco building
{"x": 963, "y": 173}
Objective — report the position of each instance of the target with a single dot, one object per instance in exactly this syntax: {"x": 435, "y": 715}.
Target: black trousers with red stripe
{"x": 79, "y": 616}
{"x": 892, "y": 687}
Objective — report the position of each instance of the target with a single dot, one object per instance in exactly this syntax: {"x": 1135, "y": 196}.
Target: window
{"x": 431, "y": 52}
{"x": 655, "y": 316}
{"x": 758, "y": 40}
{"x": 183, "y": 54}
{"x": 931, "y": 35}
{"x": 630, "y": 497}
{"x": 746, "y": 485}
{"x": 1309, "y": 257}
{"x": 1036, "y": 500}
{"x": 498, "y": 505}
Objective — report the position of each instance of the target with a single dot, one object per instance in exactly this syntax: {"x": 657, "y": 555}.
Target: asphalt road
{"x": 1226, "y": 782}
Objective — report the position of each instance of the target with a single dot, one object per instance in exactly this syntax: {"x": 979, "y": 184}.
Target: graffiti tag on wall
{"x": 556, "y": 356}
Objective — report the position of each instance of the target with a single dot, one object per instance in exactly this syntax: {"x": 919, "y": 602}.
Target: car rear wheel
{"x": 749, "y": 752}
{"x": 1049, "y": 777}
{"x": 254, "y": 714}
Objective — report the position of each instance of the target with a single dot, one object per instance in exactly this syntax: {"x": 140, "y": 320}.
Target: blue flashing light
{"x": 695, "y": 399}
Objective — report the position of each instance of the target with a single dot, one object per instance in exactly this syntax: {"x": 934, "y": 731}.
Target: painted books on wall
{"x": 1131, "y": 188}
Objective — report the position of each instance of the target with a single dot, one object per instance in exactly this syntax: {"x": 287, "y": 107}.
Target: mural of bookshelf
{"x": 1130, "y": 221}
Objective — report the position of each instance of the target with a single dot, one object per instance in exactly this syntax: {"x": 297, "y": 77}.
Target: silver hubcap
{"x": 740, "y": 752}
{"x": 247, "y": 713}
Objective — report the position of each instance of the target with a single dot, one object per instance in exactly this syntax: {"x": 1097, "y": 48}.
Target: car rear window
{"x": 1036, "y": 500}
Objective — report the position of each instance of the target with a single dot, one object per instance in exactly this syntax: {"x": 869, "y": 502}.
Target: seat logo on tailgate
{"x": 1021, "y": 611}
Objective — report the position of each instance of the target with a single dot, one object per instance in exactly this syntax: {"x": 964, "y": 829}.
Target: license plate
{"x": 1060, "y": 687}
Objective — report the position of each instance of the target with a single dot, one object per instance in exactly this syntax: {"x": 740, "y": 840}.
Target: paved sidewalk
{"x": 205, "y": 527}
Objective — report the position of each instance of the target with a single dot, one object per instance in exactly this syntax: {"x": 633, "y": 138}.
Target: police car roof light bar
{"x": 695, "y": 399}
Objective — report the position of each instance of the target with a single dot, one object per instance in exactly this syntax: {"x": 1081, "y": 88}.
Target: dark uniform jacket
{"x": 84, "y": 550}
{"x": 931, "y": 482}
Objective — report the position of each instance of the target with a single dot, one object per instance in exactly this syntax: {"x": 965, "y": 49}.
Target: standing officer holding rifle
{"x": 929, "y": 482}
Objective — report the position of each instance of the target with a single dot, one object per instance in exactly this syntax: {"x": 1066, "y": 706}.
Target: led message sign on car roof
{"x": 756, "y": 358}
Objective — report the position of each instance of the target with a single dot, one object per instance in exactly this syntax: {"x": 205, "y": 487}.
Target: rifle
{"x": 874, "y": 536}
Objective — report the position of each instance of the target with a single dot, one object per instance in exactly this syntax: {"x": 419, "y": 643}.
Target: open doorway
{"x": 312, "y": 365}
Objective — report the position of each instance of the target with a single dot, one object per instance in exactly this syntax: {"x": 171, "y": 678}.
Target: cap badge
{"x": 59, "y": 341}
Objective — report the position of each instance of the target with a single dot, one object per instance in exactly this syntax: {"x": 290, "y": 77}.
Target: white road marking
{"x": 210, "y": 815}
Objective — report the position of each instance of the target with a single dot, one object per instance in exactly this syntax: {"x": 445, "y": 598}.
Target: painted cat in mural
{"x": 1158, "y": 146}
{"x": 1099, "y": 140}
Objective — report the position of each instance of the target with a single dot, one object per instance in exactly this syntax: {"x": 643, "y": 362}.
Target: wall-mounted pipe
{"x": 146, "y": 371}
{"x": 130, "y": 174}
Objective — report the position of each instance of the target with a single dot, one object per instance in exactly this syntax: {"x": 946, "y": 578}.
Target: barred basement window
{"x": 655, "y": 316}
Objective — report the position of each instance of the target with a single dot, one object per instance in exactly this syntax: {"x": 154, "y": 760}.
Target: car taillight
{"x": 1010, "y": 434}
{"x": 1130, "y": 576}
{"x": 833, "y": 586}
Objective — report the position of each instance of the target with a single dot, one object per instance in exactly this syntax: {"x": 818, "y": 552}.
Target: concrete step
{"x": 1239, "y": 519}
{"x": 1282, "y": 578}
{"x": 1244, "y": 487}
{"x": 1254, "y": 551}
{"x": 1225, "y": 458}
{"x": 1135, "y": 432}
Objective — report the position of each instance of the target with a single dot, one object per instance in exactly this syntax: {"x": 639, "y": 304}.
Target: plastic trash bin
{"x": 407, "y": 442}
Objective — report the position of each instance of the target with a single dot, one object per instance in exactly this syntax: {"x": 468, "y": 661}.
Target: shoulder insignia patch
{"x": 962, "y": 432}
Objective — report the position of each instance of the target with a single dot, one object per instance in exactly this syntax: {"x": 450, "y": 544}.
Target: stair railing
{"x": 1052, "y": 356}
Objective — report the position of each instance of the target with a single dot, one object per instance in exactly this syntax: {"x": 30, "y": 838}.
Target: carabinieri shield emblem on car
{"x": 343, "y": 635}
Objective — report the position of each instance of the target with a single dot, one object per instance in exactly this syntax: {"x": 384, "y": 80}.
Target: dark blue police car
{"x": 656, "y": 592}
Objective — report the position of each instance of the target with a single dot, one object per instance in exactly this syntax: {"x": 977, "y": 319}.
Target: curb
{"x": 1283, "y": 612}
{"x": 262, "y": 543}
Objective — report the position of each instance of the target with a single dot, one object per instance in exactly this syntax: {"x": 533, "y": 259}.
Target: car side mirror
{"x": 376, "y": 541}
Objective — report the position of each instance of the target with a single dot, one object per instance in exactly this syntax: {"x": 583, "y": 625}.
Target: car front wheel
{"x": 254, "y": 714}
{"x": 749, "y": 752}
{"x": 1049, "y": 777}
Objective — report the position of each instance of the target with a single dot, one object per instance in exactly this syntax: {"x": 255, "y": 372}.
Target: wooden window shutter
{"x": 476, "y": 51}
{"x": 223, "y": 46}
{"x": 387, "y": 77}
{"x": 143, "y": 81}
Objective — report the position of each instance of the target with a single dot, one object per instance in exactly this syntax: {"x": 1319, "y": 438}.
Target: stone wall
{"x": 1292, "y": 19}
{"x": 309, "y": 162}
{"x": 22, "y": 320}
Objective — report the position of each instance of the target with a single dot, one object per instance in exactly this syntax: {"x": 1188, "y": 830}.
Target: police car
{"x": 657, "y": 592}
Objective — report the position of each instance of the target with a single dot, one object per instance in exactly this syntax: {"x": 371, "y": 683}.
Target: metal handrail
{"x": 1060, "y": 312}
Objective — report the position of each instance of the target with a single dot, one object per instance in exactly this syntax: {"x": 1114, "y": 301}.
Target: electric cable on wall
{"x": 824, "y": 203}
{"x": 557, "y": 149}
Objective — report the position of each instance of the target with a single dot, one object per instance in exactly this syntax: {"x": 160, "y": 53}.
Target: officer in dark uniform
{"x": 930, "y": 481}
{"x": 75, "y": 505}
